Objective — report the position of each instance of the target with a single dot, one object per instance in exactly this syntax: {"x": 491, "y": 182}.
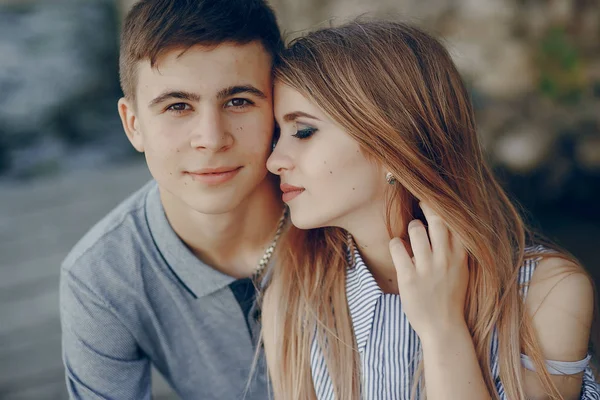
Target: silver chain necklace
{"x": 262, "y": 263}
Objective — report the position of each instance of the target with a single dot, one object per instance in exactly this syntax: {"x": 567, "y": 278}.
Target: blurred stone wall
{"x": 58, "y": 85}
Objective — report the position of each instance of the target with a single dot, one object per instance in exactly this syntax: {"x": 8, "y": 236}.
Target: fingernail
{"x": 414, "y": 223}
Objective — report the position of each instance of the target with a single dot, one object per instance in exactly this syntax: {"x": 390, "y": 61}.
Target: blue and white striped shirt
{"x": 389, "y": 348}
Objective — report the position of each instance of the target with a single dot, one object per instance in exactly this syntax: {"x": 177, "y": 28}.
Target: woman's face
{"x": 326, "y": 179}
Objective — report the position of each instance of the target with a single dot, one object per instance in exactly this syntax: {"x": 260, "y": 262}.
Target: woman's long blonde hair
{"x": 396, "y": 91}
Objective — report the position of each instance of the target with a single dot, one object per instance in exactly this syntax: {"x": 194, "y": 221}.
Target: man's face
{"x": 204, "y": 120}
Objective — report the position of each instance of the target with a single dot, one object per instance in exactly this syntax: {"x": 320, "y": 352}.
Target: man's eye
{"x": 238, "y": 103}
{"x": 179, "y": 107}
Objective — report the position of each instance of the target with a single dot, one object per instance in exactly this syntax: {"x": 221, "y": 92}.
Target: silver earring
{"x": 389, "y": 177}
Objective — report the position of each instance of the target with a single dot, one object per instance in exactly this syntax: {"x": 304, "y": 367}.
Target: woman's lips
{"x": 288, "y": 196}
{"x": 290, "y": 192}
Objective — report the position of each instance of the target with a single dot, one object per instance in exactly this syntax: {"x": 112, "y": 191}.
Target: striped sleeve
{"x": 590, "y": 389}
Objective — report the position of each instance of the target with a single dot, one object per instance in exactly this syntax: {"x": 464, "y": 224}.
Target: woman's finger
{"x": 438, "y": 231}
{"x": 419, "y": 242}
{"x": 459, "y": 251}
{"x": 402, "y": 260}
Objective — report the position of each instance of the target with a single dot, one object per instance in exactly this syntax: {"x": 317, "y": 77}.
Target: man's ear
{"x": 130, "y": 123}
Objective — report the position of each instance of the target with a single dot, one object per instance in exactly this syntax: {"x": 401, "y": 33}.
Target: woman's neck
{"x": 372, "y": 241}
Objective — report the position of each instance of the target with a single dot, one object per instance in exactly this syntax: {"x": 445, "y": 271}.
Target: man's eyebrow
{"x": 289, "y": 117}
{"x": 174, "y": 94}
{"x": 233, "y": 90}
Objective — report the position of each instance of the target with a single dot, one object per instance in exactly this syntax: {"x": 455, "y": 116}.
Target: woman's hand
{"x": 433, "y": 284}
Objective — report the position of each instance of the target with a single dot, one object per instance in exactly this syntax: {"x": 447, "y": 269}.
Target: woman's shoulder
{"x": 558, "y": 277}
{"x": 560, "y": 300}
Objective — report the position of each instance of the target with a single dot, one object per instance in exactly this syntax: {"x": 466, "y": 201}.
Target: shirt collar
{"x": 363, "y": 294}
{"x": 197, "y": 277}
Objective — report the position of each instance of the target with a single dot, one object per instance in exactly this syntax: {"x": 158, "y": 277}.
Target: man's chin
{"x": 212, "y": 205}
{"x": 213, "y": 209}
{"x": 198, "y": 201}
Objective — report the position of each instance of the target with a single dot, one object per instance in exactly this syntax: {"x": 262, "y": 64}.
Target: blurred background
{"x": 532, "y": 66}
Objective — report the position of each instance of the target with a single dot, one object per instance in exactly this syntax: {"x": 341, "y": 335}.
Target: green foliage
{"x": 560, "y": 67}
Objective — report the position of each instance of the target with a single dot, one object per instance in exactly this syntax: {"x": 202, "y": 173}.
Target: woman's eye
{"x": 276, "y": 135}
{"x": 304, "y": 133}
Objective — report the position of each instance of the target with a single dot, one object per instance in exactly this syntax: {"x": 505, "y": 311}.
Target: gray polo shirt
{"x": 132, "y": 294}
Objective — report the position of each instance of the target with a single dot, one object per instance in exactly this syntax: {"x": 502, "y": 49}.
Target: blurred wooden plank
{"x": 26, "y": 313}
{"x": 18, "y": 275}
{"x": 39, "y": 244}
{"x": 49, "y": 385}
{"x": 40, "y": 221}
{"x": 18, "y": 199}
{"x": 22, "y": 339}
{"x": 21, "y": 367}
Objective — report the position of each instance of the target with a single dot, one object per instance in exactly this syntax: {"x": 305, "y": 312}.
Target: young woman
{"x": 378, "y": 141}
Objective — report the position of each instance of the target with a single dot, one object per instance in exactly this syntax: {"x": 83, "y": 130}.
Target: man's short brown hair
{"x": 153, "y": 27}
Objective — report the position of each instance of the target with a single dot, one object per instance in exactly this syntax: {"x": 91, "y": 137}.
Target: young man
{"x": 164, "y": 278}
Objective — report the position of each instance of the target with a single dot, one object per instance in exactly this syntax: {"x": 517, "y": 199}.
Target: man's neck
{"x": 231, "y": 242}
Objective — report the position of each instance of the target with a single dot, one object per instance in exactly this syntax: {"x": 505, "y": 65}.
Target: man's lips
{"x": 216, "y": 170}
{"x": 214, "y": 176}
